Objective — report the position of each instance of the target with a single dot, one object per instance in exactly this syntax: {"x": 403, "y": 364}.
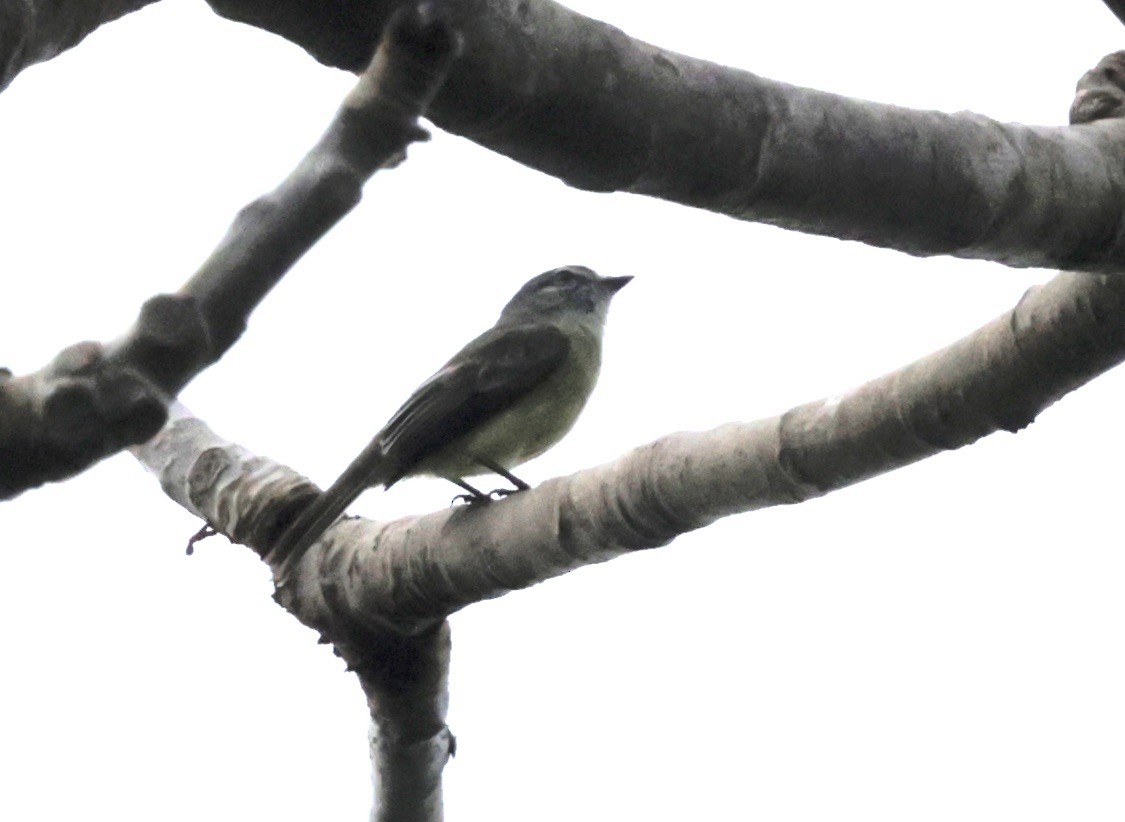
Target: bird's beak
{"x": 615, "y": 284}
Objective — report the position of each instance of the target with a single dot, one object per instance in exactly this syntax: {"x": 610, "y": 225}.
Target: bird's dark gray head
{"x": 570, "y": 289}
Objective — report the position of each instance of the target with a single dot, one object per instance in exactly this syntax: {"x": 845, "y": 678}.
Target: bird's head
{"x": 560, "y": 292}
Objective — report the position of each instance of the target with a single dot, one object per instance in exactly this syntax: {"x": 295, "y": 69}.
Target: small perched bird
{"x": 504, "y": 398}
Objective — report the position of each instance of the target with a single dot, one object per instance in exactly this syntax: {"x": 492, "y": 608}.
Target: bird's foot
{"x": 473, "y": 497}
{"x": 470, "y": 499}
{"x": 501, "y": 493}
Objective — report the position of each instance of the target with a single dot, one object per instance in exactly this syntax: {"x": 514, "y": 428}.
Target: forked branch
{"x": 59, "y": 421}
{"x": 380, "y": 592}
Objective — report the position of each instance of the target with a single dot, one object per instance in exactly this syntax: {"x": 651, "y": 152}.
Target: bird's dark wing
{"x": 487, "y": 376}
{"x": 490, "y": 374}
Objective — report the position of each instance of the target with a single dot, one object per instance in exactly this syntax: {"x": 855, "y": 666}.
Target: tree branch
{"x": 179, "y": 335}
{"x": 578, "y": 99}
{"x": 371, "y": 130}
{"x": 402, "y": 668}
{"x": 380, "y": 592}
{"x": 404, "y": 577}
{"x": 79, "y": 409}
{"x": 1117, "y": 7}
{"x": 32, "y": 31}
{"x": 406, "y": 682}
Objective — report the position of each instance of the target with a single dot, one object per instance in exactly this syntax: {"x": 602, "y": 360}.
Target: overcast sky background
{"x": 944, "y": 642}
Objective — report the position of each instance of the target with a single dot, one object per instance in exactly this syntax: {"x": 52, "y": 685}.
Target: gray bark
{"x": 409, "y": 575}
{"x": 32, "y": 31}
{"x": 579, "y": 99}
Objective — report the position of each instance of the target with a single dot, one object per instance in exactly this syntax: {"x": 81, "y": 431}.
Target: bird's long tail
{"x": 369, "y": 469}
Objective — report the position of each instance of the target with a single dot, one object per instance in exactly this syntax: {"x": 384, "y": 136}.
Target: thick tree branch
{"x": 1118, "y": 8}
{"x": 178, "y": 335}
{"x": 406, "y": 682}
{"x": 406, "y": 576}
{"x": 579, "y": 99}
{"x": 80, "y": 408}
{"x": 403, "y": 673}
{"x": 32, "y": 31}
{"x": 380, "y": 592}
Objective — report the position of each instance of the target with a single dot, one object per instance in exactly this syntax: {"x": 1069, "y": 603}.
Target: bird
{"x": 509, "y": 395}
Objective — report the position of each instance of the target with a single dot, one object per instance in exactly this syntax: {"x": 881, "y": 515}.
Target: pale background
{"x": 944, "y": 642}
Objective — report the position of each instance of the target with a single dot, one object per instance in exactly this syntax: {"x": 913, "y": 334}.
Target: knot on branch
{"x": 77, "y": 410}
{"x": 1100, "y": 94}
{"x": 379, "y": 117}
{"x": 423, "y": 32}
{"x": 170, "y": 341}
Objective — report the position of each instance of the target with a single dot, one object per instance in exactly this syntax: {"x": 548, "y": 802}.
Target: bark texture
{"x": 402, "y": 664}
{"x": 404, "y": 675}
{"x": 408, "y": 575}
{"x": 579, "y": 99}
{"x": 381, "y": 592}
{"x": 77, "y": 410}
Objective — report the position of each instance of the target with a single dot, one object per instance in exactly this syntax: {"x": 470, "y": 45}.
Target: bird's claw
{"x": 495, "y": 495}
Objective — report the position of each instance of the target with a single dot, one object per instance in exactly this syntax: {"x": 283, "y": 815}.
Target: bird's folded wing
{"x": 488, "y": 376}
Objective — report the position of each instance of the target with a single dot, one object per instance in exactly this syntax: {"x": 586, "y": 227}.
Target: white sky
{"x": 940, "y": 643}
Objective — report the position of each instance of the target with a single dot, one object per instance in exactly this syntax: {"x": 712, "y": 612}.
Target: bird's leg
{"x": 473, "y": 497}
{"x": 501, "y": 471}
